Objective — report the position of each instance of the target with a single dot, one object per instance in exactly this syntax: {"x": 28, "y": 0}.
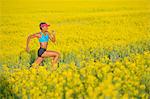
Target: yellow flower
{"x": 142, "y": 86}
{"x": 125, "y": 96}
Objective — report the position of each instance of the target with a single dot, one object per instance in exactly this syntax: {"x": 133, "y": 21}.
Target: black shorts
{"x": 41, "y": 51}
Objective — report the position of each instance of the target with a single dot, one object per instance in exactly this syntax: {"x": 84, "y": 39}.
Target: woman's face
{"x": 45, "y": 28}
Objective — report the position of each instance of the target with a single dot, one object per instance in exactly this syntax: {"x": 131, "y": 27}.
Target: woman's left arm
{"x": 52, "y": 37}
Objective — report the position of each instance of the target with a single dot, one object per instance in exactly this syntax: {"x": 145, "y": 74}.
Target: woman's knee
{"x": 53, "y": 54}
{"x": 58, "y": 54}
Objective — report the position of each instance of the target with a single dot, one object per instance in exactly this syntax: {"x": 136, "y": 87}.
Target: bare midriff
{"x": 43, "y": 44}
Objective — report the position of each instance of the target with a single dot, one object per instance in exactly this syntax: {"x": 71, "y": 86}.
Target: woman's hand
{"x": 53, "y": 32}
{"x": 52, "y": 36}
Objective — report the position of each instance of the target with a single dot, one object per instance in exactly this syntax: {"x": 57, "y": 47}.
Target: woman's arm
{"x": 52, "y": 36}
{"x": 36, "y": 35}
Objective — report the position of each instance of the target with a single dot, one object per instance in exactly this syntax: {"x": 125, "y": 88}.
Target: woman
{"x": 43, "y": 37}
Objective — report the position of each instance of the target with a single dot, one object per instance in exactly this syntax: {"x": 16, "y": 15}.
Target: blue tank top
{"x": 44, "y": 38}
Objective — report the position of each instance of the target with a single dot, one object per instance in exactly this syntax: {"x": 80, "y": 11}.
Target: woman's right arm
{"x": 36, "y": 35}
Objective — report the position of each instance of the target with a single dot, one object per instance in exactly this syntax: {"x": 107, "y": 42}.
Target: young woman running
{"x": 43, "y": 37}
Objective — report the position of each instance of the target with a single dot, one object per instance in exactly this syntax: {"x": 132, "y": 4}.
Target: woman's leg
{"x": 39, "y": 60}
{"x": 53, "y": 54}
